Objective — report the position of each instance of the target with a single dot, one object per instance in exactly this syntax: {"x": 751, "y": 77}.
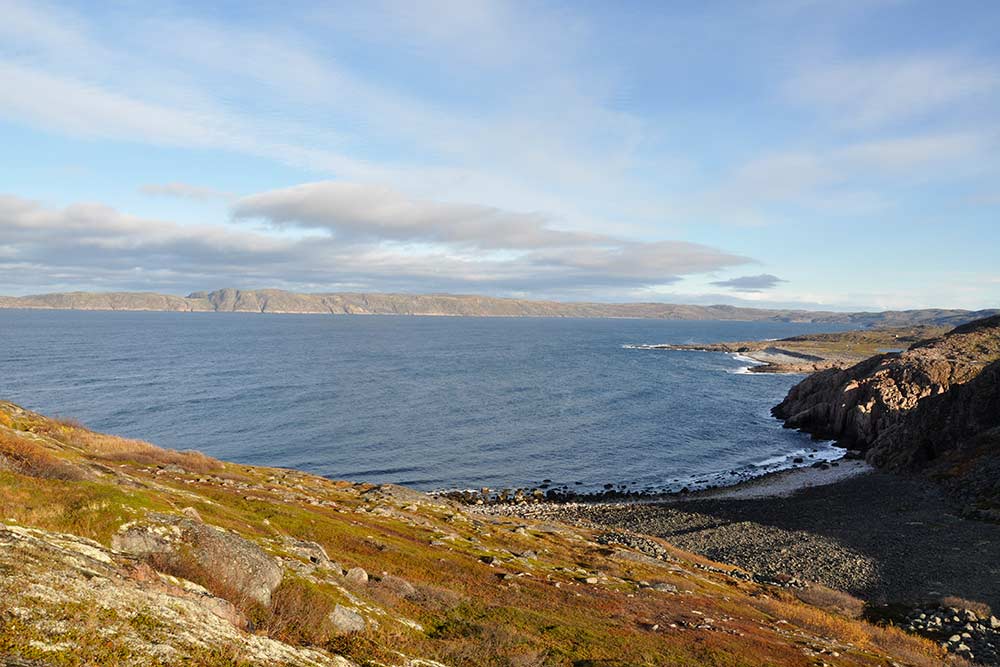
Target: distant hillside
{"x": 349, "y": 303}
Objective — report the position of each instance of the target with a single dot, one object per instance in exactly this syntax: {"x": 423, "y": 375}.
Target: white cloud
{"x": 915, "y": 152}
{"x": 351, "y": 209}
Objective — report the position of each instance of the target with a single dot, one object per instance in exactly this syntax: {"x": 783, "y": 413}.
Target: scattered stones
{"x": 959, "y": 631}
{"x": 642, "y": 544}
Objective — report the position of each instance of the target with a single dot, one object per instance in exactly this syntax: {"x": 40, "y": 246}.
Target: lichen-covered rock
{"x": 346, "y": 620}
{"x": 50, "y": 577}
{"x": 179, "y": 543}
{"x": 314, "y": 553}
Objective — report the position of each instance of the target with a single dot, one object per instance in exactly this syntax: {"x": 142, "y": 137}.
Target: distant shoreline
{"x": 810, "y": 353}
{"x": 274, "y": 301}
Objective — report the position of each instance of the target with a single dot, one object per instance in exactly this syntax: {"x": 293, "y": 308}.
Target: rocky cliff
{"x": 935, "y": 404}
{"x": 116, "y": 552}
{"x": 459, "y": 305}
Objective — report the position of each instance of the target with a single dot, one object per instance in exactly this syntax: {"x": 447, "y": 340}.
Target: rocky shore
{"x": 895, "y": 542}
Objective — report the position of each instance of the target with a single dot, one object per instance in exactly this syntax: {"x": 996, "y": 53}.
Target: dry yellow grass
{"x": 831, "y": 600}
{"x": 114, "y": 448}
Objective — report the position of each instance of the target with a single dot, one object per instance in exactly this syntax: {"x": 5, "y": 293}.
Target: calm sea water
{"x": 426, "y": 401}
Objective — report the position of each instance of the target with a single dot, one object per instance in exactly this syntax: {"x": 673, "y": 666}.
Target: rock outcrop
{"x": 936, "y": 403}
{"x": 180, "y": 544}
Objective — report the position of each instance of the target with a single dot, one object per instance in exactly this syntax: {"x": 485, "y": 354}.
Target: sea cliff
{"x": 934, "y": 407}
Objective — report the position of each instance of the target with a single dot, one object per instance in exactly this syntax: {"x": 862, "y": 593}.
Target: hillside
{"x": 115, "y": 552}
{"x": 347, "y": 303}
{"x": 934, "y": 407}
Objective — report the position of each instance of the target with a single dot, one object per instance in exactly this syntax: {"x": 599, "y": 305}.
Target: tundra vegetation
{"x": 116, "y": 552}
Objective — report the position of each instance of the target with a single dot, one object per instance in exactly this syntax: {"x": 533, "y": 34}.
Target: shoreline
{"x": 801, "y": 467}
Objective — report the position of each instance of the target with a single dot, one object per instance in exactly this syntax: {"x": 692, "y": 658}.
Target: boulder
{"x": 221, "y": 560}
{"x": 357, "y": 575}
{"x": 346, "y": 620}
{"x": 313, "y": 552}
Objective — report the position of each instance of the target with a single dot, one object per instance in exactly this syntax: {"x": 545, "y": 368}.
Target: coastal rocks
{"x": 948, "y": 425}
{"x": 644, "y": 545}
{"x": 959, "y": 631}
{"x": 909, "y": 410}
{"x": 181, "y": 545}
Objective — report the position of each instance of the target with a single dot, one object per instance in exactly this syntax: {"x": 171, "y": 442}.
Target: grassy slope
{"x": 58, "y": 476}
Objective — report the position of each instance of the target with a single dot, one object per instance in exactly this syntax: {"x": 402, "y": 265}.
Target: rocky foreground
{"x": 934, "y": 408}
{"x": 115, "y": 552}
{"x": 461, "y": 305}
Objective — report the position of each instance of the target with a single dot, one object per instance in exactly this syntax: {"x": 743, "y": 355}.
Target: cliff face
{"x": 933, "y": 403}
{"x": 463, "y": 305}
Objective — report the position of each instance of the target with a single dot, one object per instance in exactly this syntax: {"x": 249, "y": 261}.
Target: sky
{"x": 780, "y": 153}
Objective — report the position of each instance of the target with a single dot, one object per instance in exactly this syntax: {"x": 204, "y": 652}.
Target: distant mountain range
{"x": 457, "y": 305}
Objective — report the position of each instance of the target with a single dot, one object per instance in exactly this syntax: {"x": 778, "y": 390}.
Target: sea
{"x": 436, "y": 403}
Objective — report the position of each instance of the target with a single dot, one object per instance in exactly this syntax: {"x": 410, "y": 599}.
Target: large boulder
{"x": 222, "y": 561}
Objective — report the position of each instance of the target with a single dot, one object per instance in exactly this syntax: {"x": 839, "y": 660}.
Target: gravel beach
{"x": 882, "y": 537}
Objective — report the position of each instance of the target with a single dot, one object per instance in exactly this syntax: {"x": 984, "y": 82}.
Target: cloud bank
{"x": 332, "y": 235}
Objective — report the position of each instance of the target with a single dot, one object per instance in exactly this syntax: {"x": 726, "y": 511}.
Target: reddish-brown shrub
{"x": 29, "y": 458}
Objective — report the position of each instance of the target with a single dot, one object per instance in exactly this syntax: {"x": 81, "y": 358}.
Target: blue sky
{"x": 782, "y": 152}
